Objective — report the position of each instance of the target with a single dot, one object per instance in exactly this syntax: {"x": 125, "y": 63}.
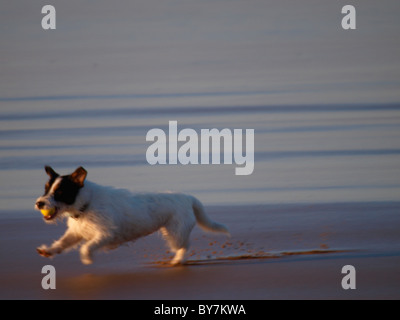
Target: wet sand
{"x": 275, "y": 252}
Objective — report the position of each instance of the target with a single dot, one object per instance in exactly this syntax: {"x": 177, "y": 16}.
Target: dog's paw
{"x": 44, "y": 251}
{"x": 175, "y": 263}
{"x": 86, "y": 260}
{"x": 86, "y": 255}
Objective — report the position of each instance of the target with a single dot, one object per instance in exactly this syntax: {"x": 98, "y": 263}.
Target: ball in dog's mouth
{"x": 48, "y": 214}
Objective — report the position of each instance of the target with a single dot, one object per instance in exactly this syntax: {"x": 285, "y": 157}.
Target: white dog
{"x": 104, "y": 217}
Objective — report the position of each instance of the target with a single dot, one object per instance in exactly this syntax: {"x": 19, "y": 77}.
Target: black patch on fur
{"x": 53, "y": 176}
{"x": 68, "y": 188}
{"x": 66, "y": 191}
{"x": 48, "y": 185}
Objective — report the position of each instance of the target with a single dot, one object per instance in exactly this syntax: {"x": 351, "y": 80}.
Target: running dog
{"x": 105, "y": 217}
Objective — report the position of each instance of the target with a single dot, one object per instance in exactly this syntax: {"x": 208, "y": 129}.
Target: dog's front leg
{"x": 69, "y": 239}
{"x": 89, "y": 247}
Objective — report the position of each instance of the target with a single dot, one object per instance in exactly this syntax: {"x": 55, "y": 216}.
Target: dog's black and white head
{"x": 61, "y": 192}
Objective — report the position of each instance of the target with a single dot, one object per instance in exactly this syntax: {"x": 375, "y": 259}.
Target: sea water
{"x": 323, "y": 102}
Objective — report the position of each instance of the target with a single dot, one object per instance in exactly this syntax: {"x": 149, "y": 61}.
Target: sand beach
{"x": 275, "y": 252}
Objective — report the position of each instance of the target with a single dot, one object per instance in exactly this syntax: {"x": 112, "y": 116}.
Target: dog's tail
{"x": 204, "y": 221}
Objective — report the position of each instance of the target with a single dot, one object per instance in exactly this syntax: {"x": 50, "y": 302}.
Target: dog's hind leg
{"x": 177, "y": 234}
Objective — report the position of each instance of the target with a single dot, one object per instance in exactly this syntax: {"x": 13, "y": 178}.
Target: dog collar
{"x": 84, "y": 207}
{"x": 81, "y": 210}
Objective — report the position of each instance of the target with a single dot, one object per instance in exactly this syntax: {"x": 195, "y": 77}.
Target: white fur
{"x": 115, "y": 216}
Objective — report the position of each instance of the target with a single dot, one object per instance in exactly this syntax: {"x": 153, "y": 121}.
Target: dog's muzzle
{"x": 47, "y": 212}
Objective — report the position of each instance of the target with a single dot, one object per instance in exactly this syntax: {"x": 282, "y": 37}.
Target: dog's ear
{"x": 79, "y": 176}
{"x": 50, "y": 172}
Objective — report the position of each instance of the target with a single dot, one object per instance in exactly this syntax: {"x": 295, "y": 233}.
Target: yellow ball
{"x": 48, "y": 212}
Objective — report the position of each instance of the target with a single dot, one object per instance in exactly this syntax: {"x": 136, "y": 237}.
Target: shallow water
{"x": 300, "y": 155}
